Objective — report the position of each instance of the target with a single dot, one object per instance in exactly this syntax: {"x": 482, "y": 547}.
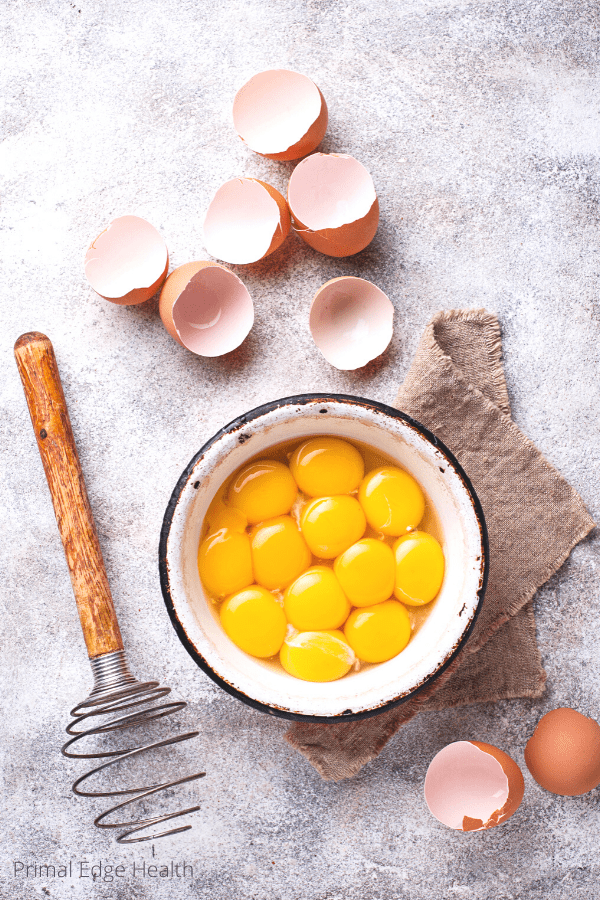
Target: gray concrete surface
{"x": 479, "y": 123}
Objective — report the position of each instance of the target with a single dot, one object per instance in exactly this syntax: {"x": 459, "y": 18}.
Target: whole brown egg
{"x": 563, "y": 753}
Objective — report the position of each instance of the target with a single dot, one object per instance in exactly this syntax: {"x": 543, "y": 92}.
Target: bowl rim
{"x": 235, "y": 425}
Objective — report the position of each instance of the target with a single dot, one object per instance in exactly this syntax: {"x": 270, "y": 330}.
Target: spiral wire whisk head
{"x": 124, "y": 702}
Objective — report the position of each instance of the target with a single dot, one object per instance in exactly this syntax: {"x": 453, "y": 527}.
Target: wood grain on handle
{"x": 52, "y": 427}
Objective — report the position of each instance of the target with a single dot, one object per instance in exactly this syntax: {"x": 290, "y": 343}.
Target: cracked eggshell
{"x": 206, "y": 308}
{"x": 127, "y": 262}
{"x": 351, "y": 321}
{"x": 280, "y": 114}
{"x": 333, "y": 204}
{"x": 563, "y": 753}
{"x": 471, "y": 786}
{"x": 246, "y": 221}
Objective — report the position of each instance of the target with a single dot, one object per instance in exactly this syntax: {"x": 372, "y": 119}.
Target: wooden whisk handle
{"x": 52, "y": 427}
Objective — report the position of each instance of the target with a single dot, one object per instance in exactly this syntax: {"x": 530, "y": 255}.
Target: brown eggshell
{"x": 280, "y": 114}
{"x": 563, "y": 753}
{"x": 247, "y": 220}
{"x": 472, "y": 786}
{"x": 127, "y": 262}
{"x": 333, "y": 203}
{"x": 206, "y": 308}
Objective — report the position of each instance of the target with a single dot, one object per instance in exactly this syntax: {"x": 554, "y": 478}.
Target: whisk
{"x": 118, "y": 700}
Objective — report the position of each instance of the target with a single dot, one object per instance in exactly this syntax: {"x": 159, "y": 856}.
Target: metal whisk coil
{"x": 116, "y": 691}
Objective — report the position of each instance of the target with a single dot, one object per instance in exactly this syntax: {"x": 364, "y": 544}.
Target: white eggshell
{"x": 351, "y": 321}
{"x": 127, "y": 262}
{"x": 280, "y": 114}
{"x": 246, "y": 221}
{"x": 206, "y": 308}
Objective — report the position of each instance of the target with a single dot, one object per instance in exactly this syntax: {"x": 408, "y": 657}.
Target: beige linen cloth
{"x": 456, "y": 388}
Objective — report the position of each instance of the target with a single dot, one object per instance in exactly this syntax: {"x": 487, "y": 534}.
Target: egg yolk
{"x": 317, "y": 656}
{"x": 225, "y": 562}
{"x": 327, "y": 466}
{"x": 331, "y": 524}
{"x": 379, "y": 632}
{"x": 315, "y": 601}
{"x": 392, "y": 500}
{"x": 419, "y": 568}
{"x": 279, "y": 552}
{"x": 254, "y": 621}
{"x": 263, "y": 490}
{"x": 221, "y": 516}
{"x": 366, "y": 572}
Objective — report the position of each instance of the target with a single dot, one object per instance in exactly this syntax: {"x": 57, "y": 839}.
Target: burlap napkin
{"x": 456, "y": 388}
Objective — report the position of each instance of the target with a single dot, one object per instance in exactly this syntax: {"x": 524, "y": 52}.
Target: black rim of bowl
{"x": 238, "y": 424}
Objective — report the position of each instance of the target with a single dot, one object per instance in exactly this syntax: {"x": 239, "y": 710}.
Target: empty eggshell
{"x": 127, "y": 262}
{"x": 472, "y": 786}
{"x": 351, "y": 321}
{"x": 280, "y": 114}
{"x": 206, "y": 308}
{"x": 563, "y": 753}
{"x": 246, "y": 220}
{"x": 333, "y": 204}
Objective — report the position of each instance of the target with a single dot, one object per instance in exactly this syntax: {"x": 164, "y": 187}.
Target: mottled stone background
{"x": 479, "y": 123}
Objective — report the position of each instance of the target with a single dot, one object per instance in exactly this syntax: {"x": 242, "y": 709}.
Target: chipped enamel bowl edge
{"x": 263, "y": 684}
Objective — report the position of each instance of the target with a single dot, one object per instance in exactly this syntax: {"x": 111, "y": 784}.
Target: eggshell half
{"x": 127, "y": 262}
{"x": 246, "y": 220}
{"x": 333, "y": 204}
{"x": 280, "y": 114}
{"x": 563, "y": 753}
{"x": 471, "y": 786}
{"x": 351, "y": 321}
{"x": 206, "y": 308}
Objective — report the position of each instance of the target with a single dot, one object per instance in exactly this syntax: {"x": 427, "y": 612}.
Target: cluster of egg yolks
{"x": 332, "y": 524}
{"x": 392, "y": 500}
{"x": 317, "y": 655}
{"x": 327, "y": 466}
{"x": 276, "y": 555}
{"x": 255, "y": 621}
{"x": 279, "y": 552}
{"x": 420, "y": 565}
{"x": 263, "y": 490}
{"x": 315, "y": 601}
{"x": 377, "y": 633}
{"x": 366, "y": 572}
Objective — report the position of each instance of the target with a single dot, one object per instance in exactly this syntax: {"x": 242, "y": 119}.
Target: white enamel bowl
{"x": 263, "y": 684}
